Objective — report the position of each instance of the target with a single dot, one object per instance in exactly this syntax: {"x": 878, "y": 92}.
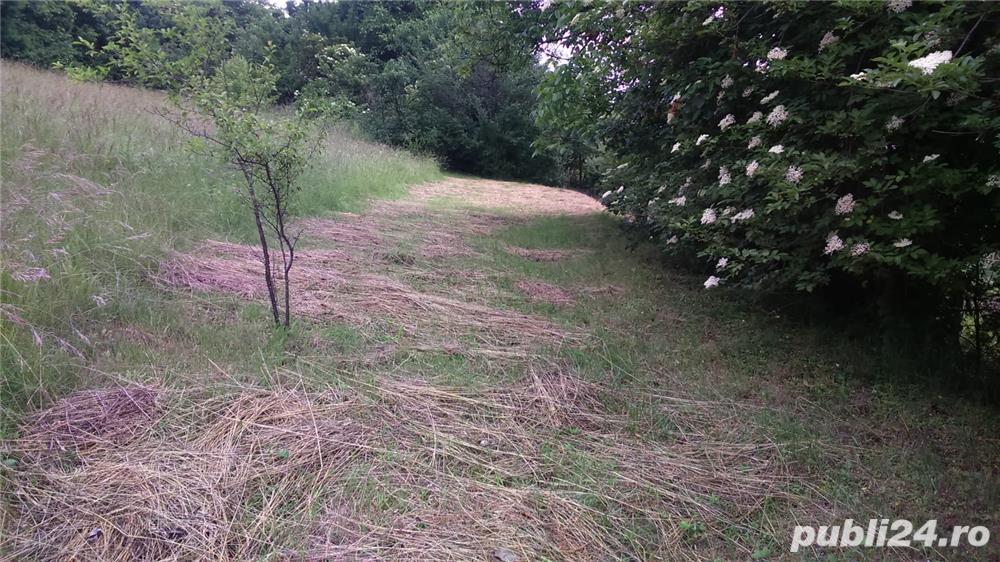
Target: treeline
{"x": 848, "y": 149}
{"x": 456, "y": 81}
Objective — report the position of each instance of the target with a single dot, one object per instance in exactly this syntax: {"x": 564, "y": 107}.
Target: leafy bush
{"x": 797, "y": 144}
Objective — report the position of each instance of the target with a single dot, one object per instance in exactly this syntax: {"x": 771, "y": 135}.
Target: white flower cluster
{"x": 833, "y": 244}
{"x": 777, "y": 53}
{"x": 727, "y": 82}
{"x": 769, "y": 97}
{"x": 712, "y": 281}
{"x": 708, "y": 216}
{"x": 724, "y": 178}
{"x": 752, "y": 168}
{"x": 931, "y": 158}
{"x": 747, "y": 91}
{"x": 700, "y": 140}
{"x": 896, "y": 215}
{"x": 754, "y": 143}
{"x": 794, "y": 174}
{"x": 898, "y": 6}
{"x": 777, "y": 116}
{"x": 721, "y": 264}
{"x": 757, "y": 116}
{"x": 776, "y": 149}
{"x": 845, "y": 205}
{"x": 679, "y": 201}
{"x": 716, "y": 15}
{"x": 902, "y": 242}
{"x": 827, "y": 40}
{"x": 993, "y": 181}
{"x": 676, "y": 147}
{"x": 929, "y": 63}
{"x": 893, "y": 123}
{"x": 745, "y": 214}
{"x": 727, "y": 121}
{"x": 860, "y": 249}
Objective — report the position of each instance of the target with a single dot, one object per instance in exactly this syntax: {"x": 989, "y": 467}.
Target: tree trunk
{"x": 268, "y": 277}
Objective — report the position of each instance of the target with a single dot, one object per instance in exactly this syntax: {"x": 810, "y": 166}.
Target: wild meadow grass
{"x": 96, "y": 189}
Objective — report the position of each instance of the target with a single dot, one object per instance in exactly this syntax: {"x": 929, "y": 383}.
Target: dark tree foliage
{"x": 456, "y": 81}
{"x": 435, "y": 78}
{"x": 45, "y": 33}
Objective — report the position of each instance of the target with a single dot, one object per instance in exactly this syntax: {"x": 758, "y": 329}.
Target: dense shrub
{"x": 800, "y": 144}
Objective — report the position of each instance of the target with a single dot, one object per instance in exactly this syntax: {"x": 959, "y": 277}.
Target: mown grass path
{"x": 481, "y": 370}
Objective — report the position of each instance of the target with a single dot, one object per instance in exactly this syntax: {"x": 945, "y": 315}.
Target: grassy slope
{"x": 873, "y": 449}
{"x": 96, "y": 189}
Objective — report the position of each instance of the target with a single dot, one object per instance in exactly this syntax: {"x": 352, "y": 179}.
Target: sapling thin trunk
{"x": 266, "y": 253}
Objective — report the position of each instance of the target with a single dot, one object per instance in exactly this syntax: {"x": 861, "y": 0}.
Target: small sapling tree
{"x": 269, "y": 151}
{"x": 226, "y": 103}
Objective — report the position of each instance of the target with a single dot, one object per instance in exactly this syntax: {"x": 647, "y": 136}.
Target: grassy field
{"x": 480, "y": 371}
{"x": 96, "y": 190}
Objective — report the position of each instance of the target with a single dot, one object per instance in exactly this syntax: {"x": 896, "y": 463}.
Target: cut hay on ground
{"x": 604, "y": 290}
{"x": 522, "y": 199}
{"x": 433, "y": 233}
{"x": 366, "y": 236}
{"x": 328, "y": 285}
{"x": 387, "y": 470}
{"x": 540, "y": 291}
{"x": 90, "y": 417}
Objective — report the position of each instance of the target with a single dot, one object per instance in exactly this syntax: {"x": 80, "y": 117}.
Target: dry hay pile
{"x": 540, "y": 291}
{"x": 88, "y": 417}
{"x": 520, "y": 198}
{"x": 331, "y": 284}
{"x": 388, "y": 470}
